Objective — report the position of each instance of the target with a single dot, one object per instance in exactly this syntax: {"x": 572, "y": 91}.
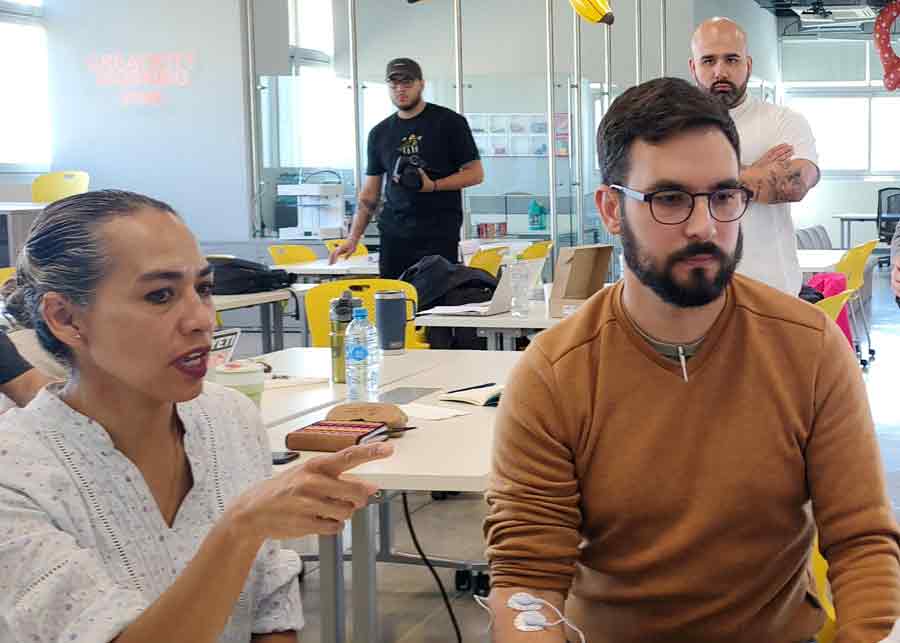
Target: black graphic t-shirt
{"x": 441, "y": 138}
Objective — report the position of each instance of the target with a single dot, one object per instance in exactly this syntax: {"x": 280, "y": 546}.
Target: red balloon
{"x": 882, "y": 34}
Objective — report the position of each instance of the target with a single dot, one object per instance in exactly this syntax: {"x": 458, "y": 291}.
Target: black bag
{"x": 434, "y": 278}
{"x": 441, "y": 283}
{"x": 810, "y": 294}
{"x": 235, "y": 276}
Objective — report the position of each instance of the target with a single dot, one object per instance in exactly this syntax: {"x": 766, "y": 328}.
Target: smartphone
{"x": 283, "y": 457}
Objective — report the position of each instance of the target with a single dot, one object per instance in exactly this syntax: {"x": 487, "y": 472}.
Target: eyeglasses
{"x": 671, "y": 207}
{"x": 405, "y": 83}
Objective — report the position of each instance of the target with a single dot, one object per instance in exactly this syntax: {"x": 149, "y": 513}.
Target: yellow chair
{"x": 318, "y": 301}
{"x": 834, "y": 304}
{"x": 287, "y": 254}
{"x": 54, "y": 186}
{"x": 489, "y": 259}
{"x": 823, "y": 592}
{"x": 6, "y": 274}
{"x": 331, "y": 244}
{"x": 853, "y": 266}
{"x": 538, "y": 250}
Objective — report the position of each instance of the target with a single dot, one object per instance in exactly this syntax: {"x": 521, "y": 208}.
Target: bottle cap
{"x": 342, "y": 307}
{"x": 360, "y": 313}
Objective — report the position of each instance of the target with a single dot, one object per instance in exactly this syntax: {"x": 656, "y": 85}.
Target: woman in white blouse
{"x": 136, "y": 503}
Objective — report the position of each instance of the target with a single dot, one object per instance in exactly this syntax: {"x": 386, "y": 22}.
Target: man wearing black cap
{"x": 429, "y": 156}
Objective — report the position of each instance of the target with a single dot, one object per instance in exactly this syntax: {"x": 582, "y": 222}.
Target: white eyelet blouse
{"x": 84, "y": 548}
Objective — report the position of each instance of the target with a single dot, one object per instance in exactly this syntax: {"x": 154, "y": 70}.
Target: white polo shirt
{"x": 770, "y": 247}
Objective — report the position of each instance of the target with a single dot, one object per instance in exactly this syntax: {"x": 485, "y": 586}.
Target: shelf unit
{"x": 517, "y": 134}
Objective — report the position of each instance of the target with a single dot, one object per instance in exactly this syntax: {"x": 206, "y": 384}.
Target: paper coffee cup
{"x": 245, "y": 376}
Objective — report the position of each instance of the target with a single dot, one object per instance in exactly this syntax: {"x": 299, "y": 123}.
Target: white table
{"x": 270, "y": 313}
{"x": 500, "y": 330}
{"x": 847, "y": 220}
{"x": 362, "y": 266}
{"x": 812, "y": 261}
{"x": 451, "y": 455}
{"x": 283, "y": 404}
{"x": 19, "y": 217}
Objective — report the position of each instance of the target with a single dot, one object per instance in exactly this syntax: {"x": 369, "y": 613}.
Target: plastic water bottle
{"x": 363, "y": 358}
{"x": 518, "y": 276}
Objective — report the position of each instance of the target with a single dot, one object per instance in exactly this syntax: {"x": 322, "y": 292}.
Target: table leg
{"x": 265, "y": 323}
{"x": 277, "y": 326}
{"x": 365, "y": 606}
{"x": 331, "y": 565}
{"x": 509, "y": 339}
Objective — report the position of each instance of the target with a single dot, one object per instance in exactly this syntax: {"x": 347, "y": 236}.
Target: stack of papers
{"x": 472, "y": 309}
{"x": 429, "y": 412}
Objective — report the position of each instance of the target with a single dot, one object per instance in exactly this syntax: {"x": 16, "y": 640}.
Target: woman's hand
{"x": 313, "y": 498}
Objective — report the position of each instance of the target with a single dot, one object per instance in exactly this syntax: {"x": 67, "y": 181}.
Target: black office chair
{"x": 888, "y": 217}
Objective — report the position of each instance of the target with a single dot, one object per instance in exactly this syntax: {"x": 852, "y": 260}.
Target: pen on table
{"x": 401, "y": 429}
{"x": 470, "y": 388}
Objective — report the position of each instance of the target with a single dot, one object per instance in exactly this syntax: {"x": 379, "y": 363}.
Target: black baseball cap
{"x": 405, "y": 68}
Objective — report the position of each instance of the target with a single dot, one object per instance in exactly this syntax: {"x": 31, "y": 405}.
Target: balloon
{"x": 594, "y": 10}
{"x": 882, "y": 34}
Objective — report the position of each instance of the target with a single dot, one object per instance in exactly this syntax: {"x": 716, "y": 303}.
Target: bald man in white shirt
{"x": 778, "y": 153}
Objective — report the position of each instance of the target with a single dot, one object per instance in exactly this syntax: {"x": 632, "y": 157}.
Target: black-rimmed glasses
{"x": 671, "y": 207}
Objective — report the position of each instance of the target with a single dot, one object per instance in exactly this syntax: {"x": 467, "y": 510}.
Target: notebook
{"x": 330, "y": 435}
{"x": 487, "y": 396}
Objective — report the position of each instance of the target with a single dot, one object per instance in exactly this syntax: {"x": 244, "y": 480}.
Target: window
{"x": 312, "y": 25}
{"x": 841, "y": 128}
{"x": 316, "y": 117}
{"x": 836, "y": 84}
{"x": 24, "y": 113}
{"x": 885, "y": 134}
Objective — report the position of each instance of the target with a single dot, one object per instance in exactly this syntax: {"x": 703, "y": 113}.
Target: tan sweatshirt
{"x": 675, "y": 511}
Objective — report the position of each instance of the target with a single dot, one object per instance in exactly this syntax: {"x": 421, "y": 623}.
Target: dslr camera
{"x": 406, "y": 171}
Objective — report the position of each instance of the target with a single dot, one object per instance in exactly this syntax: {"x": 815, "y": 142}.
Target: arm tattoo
{"x": 785, "y": 183}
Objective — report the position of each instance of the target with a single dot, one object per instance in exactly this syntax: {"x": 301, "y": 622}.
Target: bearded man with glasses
{"x": 664, "y": 457}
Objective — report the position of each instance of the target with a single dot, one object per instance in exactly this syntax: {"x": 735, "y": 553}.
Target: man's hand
{"x": 783, "y": 152}
{"x": 778, "y": 178}
{"x": 345, "y": 250}
{"x": 895, "y": 276}
{"x": 427, "y": 184}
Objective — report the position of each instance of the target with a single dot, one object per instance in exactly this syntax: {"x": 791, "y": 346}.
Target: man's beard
{"x": 731, "y": 98}
{"x": 414, "y": 102}
{"x": 700, "y": 290}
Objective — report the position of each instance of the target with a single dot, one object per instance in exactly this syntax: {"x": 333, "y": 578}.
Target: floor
{"x": 410, "y": 605}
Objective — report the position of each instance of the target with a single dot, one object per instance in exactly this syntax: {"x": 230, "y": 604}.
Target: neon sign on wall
{"x": 142, "y": 78}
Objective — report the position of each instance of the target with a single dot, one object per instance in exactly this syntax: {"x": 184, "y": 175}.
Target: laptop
{"x": 500, "y": 303}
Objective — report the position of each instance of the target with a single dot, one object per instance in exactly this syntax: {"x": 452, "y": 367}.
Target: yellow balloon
{"x": 594, "y": 10}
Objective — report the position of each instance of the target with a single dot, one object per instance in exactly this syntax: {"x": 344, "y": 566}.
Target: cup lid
{"x": 240, "y": 367}
{"x": 390, "y": 294}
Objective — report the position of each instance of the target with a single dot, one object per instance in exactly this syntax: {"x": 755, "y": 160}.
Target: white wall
{"x": 191, "y": 149}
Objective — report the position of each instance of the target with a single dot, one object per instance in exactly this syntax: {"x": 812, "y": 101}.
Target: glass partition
{"x": 505, "y": 98}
